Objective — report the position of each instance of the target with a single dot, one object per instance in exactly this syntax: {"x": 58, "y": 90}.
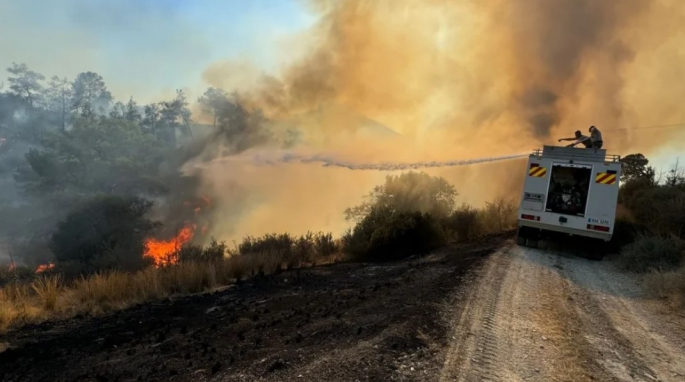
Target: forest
{"x": 81, "y": 173}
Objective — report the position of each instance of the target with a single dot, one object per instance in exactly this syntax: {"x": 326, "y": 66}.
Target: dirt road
{"x": 481, "y": 311}
{"x": 540, "y": 316}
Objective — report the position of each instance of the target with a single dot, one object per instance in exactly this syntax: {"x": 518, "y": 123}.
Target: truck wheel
{"x": 521, "y": 237}
{"x": 520, "y": 240}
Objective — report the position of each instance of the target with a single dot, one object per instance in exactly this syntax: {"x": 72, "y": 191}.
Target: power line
{"x": 647, "y": 127}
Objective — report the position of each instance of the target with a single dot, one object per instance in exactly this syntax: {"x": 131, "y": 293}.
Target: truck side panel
{"x": 535, "y": 185}
{"x": 601, "y": 207}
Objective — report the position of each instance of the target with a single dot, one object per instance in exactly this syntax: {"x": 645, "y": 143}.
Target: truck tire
{"x": 520, "y": 240}
{"x": 532, "y": 243}
{"x": 521, "y": 237}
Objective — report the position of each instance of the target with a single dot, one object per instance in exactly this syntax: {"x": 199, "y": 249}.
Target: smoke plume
{"x": 445, "y": 79}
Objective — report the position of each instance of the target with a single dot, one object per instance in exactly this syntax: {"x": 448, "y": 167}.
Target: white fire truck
{"x": 570, "y": 191}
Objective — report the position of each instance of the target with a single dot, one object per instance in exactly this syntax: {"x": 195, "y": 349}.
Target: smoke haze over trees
{"x": 79, "y": 169}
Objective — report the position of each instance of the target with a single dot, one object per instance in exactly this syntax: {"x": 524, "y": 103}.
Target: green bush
{"x": 281, "y": 243}
{"x": 463, "y": 224}
{"x": 294, "y": 251}
{"x": 18, "y": 273}
{"x": 303, "y": 247}
{"x": 192, "y": 253}
{"x": 324, "y": 244}
{"x": 385, "y": 235}
{"x": 625, "y": 233}
{"x": 652, "y": 253}
{"x": 661, "y": 209}
{"x": 105, "y": 232}
{"x": 633, "y": 189}
{"x": 409, "y": 192}
{"x": 672, "y": 215}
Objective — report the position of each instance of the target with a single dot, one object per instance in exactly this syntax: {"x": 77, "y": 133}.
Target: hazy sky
{"x": 148, "y": 48}
{"x": 145, "y": 47}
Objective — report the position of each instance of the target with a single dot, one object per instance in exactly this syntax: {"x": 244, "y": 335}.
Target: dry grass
{"x": 48, "y": 297}
{"x": 47, "y": 290}
{"x": 667, "y": 285}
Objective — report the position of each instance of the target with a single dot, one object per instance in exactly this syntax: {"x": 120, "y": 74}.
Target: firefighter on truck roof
{"x": 594, "y": 141}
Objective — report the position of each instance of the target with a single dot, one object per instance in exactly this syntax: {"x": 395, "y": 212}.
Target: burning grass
{"x": 195, "y": 270}
{"x": 165, "y": 252}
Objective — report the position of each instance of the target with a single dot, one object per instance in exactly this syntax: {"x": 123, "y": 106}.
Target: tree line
{"x": 73, "y": 156}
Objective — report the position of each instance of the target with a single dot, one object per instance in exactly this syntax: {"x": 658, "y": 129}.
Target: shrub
{"x": 212, "y": 253}
{"x": 324, "y": 244}
{"x": 625, "y": 233}
{"x": 409, "y": 192}
{"x": 633, "y": 189}
{"x": 669, "y": 285}
{"x": 286, "y": 250}
{"x": 499, "y": 215}
{"x": 662, "y": 209}
{"x": 652, "y": 253}
{"x": 386, "y": 235}
{"x": 105, "y": 232}
{"x": 15, "y": 274}
{"x": 303, "y": 248}
{"x": 463, "y": 224}
{"x": 267, "y": 243}
{"x": 672, "y": 215}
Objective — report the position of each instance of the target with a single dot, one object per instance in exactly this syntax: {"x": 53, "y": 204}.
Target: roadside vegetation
{"x": 409, "y": 214}
{"x": 650, "y": 228}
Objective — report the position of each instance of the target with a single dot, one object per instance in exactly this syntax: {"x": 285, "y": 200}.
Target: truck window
{"x": 568, "y": 189}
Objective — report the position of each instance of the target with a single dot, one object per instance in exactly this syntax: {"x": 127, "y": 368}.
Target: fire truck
{"x": 571, "y": 191}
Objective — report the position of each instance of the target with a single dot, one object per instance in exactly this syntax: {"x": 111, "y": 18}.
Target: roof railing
{"x": 577, "y": 153}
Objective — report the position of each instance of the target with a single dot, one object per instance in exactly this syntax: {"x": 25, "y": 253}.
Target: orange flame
{"x": 165, "y": 252}
{"x": 45, "y": 267}
{"x": 12, "y": 266}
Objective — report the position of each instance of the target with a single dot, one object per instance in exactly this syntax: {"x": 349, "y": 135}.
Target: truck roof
{"x": 572, "y": 153}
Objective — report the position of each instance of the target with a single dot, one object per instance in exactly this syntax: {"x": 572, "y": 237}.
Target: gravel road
{"x": 534, "y": 315}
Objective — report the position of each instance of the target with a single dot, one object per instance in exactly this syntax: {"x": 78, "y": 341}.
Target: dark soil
{"x": 344, "y": 322}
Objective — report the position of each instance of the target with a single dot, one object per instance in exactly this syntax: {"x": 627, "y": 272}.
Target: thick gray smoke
{"x": 561, "y": 44}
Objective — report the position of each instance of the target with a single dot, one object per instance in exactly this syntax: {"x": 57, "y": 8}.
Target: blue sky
{"x": 145, "y": 47}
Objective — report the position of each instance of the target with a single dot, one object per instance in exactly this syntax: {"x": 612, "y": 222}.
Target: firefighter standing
{"x": 596, "y": 137}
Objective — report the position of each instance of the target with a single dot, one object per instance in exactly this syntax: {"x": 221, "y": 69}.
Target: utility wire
{"x": 647, "y": 127}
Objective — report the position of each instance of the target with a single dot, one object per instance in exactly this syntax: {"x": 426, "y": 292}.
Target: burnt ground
{"x": 343, "y": 322}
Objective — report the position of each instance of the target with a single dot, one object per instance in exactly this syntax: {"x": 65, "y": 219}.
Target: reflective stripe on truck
{"x": 537, "y": 171}
{"x": 608, "y": 177}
